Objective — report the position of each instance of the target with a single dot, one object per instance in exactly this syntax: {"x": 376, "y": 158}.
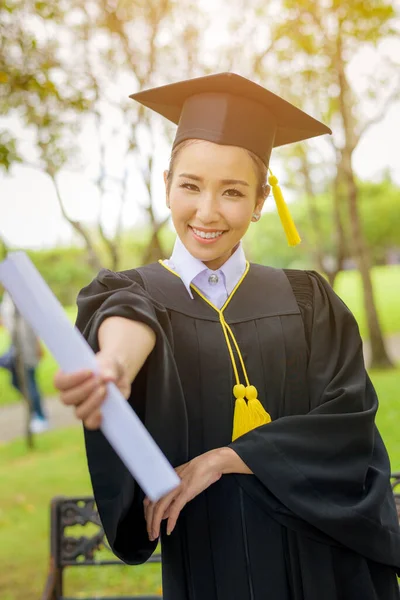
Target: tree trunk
{"x": 379, "y": 355}
{"x": 112, "y": 247}
{"x": 154, "y": 251}
{"x": 94, "y": 259}
{"x": 318, "y": 252}
{"x": 21, "y": 374}
{"x": 340, "y": 237}
{"x": 313, "y": 214}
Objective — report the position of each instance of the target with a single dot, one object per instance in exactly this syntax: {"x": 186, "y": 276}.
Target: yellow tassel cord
{"x": 292, "y": 234}
{"x": 247, "y": 415}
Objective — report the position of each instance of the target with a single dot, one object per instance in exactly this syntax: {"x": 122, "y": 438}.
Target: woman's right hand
{"x": 86, "y": 390}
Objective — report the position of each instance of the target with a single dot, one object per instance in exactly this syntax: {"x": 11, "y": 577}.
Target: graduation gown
{"x": 317, "y": 519}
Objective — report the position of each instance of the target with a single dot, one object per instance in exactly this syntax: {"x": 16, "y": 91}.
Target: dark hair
{"x": 261, "y": 169}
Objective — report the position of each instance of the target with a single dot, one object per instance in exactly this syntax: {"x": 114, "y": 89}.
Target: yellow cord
{"x": 250, "y": 414}
{"x": 224, "y": 329}
{"x": 238, "y": 351}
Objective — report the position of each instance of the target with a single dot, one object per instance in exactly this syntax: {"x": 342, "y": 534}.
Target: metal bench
{"x": 84, "y": 550}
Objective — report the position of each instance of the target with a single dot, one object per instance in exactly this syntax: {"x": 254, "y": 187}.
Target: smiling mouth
{"x": 207, "y": 235}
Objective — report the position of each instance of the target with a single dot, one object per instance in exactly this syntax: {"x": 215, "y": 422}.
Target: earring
{"x": 256, "y": 216}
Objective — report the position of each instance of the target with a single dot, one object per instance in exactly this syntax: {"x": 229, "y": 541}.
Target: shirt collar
{"x": 234, "y": 268}
{"x": 188, "y": 267}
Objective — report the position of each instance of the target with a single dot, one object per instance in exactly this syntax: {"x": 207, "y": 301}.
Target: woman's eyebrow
{"x": 189, "y": 176}
{"x": 223, "y": 181}
{"x": 234, "y": 182}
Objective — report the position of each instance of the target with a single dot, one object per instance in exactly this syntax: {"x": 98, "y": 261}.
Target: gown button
{"x": 213, "y": 279}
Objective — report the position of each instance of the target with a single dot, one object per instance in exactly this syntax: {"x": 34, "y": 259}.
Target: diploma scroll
{"x": 120, "y": 424}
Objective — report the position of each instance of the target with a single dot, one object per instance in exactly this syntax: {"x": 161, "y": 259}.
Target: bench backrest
{"x": 79, "y": 547}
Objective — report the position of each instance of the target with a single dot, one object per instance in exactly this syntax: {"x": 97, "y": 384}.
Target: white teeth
{"x": 207, "y": 236}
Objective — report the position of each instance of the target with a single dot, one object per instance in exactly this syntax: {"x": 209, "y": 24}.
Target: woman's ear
{"x": 166, "y": 187}
{"x": 260, "y": 203}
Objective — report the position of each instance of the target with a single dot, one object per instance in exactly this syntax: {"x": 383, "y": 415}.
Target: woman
{"x": 284, "y": 488}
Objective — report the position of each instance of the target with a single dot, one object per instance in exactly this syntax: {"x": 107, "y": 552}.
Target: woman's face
{"x": 212, "y": 198}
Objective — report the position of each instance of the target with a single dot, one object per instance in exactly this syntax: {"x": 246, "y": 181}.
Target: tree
{"x": 58, "y": 93}
{"x": 147, "y": 37}
{"x": 324, "y": 37}
{"x": 43, "y": 91}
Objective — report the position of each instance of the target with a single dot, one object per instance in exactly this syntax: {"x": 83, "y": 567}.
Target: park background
{"x": 81, "y": 188}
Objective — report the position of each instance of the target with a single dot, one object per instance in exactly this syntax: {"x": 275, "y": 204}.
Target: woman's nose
{"x": 207, "y": 209}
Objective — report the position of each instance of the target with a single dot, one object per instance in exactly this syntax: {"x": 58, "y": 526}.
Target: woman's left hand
{"x": 196, "y": 476}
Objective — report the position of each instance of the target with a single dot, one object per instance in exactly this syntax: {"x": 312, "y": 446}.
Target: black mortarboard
{"x": 228, "y": 109}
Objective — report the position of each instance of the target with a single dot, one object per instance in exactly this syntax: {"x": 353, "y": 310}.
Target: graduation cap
{"x": 228, "y": 109}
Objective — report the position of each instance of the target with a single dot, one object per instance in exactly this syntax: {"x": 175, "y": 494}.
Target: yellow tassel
{"x": 257, "y": 413}
{"x": 292, "y": 234}
{"x": 241, "y": 413}
{"x": 247, "y": 415}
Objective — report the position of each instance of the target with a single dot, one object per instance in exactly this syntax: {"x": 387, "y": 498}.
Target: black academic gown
{"x": 317, "y": 520}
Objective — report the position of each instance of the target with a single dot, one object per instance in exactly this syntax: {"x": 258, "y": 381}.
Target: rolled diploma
{"x": 120, "y": 424}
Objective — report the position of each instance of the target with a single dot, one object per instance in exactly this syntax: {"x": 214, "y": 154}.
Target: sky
{"x": 30, "y": 216}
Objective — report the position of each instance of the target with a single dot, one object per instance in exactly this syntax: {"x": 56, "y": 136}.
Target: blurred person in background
{"x": 24, "y": 338}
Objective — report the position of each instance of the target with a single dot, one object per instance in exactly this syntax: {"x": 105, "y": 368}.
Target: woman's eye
{"x": 234, "y": 193}
{"x": 189, "y": 186}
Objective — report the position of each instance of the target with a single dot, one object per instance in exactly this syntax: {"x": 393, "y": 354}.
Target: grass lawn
{"x": 58, "y": 467}
{"x": 29, "y": 480}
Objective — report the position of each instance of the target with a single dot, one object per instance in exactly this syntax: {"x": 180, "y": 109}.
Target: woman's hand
{"x": 86, "y": 391}
{"x": 196, "y": 476}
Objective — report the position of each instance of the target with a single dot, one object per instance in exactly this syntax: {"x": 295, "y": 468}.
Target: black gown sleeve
{"x": 327, "y": 472}
{"x": 156, "y": 396}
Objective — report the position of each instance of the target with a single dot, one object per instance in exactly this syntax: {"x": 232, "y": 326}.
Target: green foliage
{"x": 356, "y": 22}
{"x": 66, "y": 270}
{"x": 37, "y": 85}
{"x": 265, "y": 243}
{"x": 135, "y": 241}
{"x": 8, "y": 150}
{"x": 380, "y": 217}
